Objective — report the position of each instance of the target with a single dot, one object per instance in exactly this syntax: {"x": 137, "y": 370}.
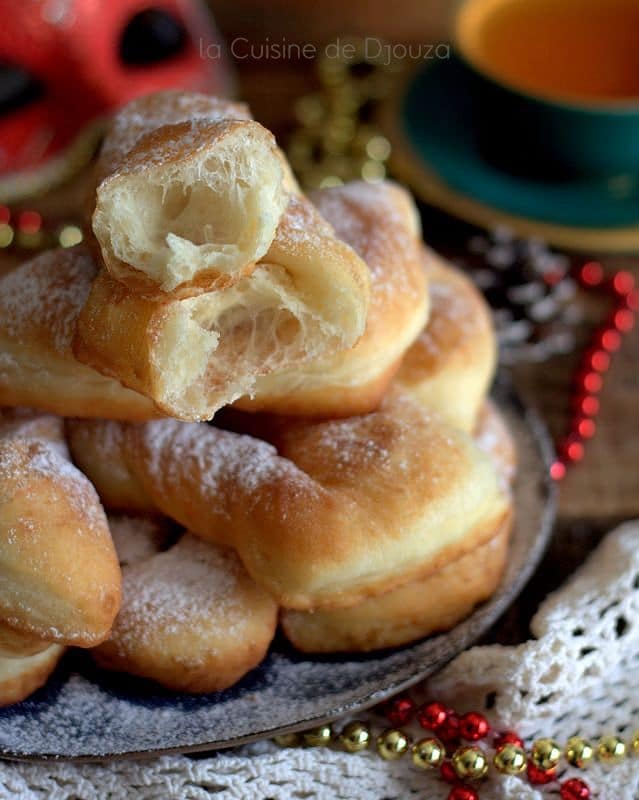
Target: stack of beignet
{"x": 354, "y": 484}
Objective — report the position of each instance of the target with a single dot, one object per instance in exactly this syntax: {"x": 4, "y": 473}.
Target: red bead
{"x": 463, "y": 792}
{"x": 573, "y": 450}
{"x": 5, "y": 215}
{"x": 586, "y": 428}
{"x": 599, "y": 361}
{"x": 610, "y": 340}
{"x": 540, "y": 776}
{"x": 509, "y": 737}
{"x": 473, "y": 726}
{"x": 632, "y": 300}
{"x": 432, "y": 716}
{"x": 592, "y": 382}
{"x": 574, "y": 789}
{"x": 449, "y": 732}
{"x": 624, "y": 320}
{"x": 400, "y": 710}
{"x": 29, "y": 221}
{"x": 447, "y": 772}
{"x": 557, "y": 470}
{"x": 591, "y": 274}
{"x": 623, "y": 282}
{"x": 589, "y": 405}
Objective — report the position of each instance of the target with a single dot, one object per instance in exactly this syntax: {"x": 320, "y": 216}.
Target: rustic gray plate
{"x": 84, "y": 714}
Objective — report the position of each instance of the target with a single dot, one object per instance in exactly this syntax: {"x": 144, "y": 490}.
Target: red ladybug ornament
{"x": 66, "y": 64}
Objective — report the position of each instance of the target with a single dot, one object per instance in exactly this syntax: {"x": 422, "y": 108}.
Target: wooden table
{"x": 599, "y": 492}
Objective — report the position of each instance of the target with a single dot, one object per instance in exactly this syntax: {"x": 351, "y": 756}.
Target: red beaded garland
{"x": 449, "y": 731}
{"x": 623, "y": 282}
{"x": 540, "y": 776}
{"x": 632, "y": 300}
{"x": 400, "y": 710}
{"x": 29, "y": 221}
{"x": 610, "y": 340}
{"x": 596, "y": 360}
{"x": 591, "y": 274}
{"x": 585, "y": 428}
{"x": 507, "y": 737}
{"x": 624, "y": 320}
{"x": 432, "y": 716}
{"x": 447, "y": 773}
{"x": 600, "y": 360}
{"x": 463, "y": 792}
{"x": 473, "y": 726}
{"x": 574, "y": 789}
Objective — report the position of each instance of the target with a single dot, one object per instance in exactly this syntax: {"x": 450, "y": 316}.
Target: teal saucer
{"x": 438, "y": 121}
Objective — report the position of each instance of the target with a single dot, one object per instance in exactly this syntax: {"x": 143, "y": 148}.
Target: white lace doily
{"x": 579, "y": 675}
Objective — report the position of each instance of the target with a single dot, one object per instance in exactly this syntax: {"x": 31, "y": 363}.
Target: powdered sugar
{"x": 152, "y": 112}
{"x": 374, "y": 220}
{"x": 138, "y": 538}
{"x": 173, "y": 593}
{"x": 44, "y": 296}
{"x": 217, "y": 457}
{"x": 457, "y": 314}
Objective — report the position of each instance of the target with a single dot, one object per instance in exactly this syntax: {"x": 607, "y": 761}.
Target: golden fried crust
{"x": 417, "y": 609}
{"x": 193, "y": 355}
{"x": 494, "y": 438}
{"x": 336, "y": 511}
{"x": 99, "y": 450}
{"x": 191, "y": 619}
{"x": 39, "y": 305}
{"x": 451, "y": 365}
{"x": 61, "y": 580}
{"x": 152, "y": 111}
{"x": 380, "y": 223}
{"x": 20, "y": 677}
{"x": 15, "y": 644}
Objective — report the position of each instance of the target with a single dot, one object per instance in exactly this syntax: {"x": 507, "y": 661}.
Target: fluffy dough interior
{"x": 213, "y": 211}
{"x": 253, "y": 327}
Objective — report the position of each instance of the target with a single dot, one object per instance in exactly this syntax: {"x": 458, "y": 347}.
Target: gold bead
{"x": 635, "y": 743}
{"x": 318, "y": 737}
{"x": 6, "y": 234}
{"x": 287, "y": 739}
{"x": 510, "y": 759}
{"x": 310, "y": 110}
{"x": 378, "y": 148}
{"x": 392, "y": 744}
{"x": 70, "y": 235}
{"x": 546, "y": 754}
{"x": 579, "y": 752}
{"x": 355, "y": 736}
{"x": 611, "y": 749}
{"x": 373, "y": 171}
{"x": 428, "y": 753}
{"x": 330, "y": 181}
{"x": 470, "y": 762}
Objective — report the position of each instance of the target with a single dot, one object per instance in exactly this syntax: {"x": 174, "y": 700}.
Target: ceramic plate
{"x": 84, "y": 714}
{"x": 432, "y": 125}
{"x": 440, "y": 121}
